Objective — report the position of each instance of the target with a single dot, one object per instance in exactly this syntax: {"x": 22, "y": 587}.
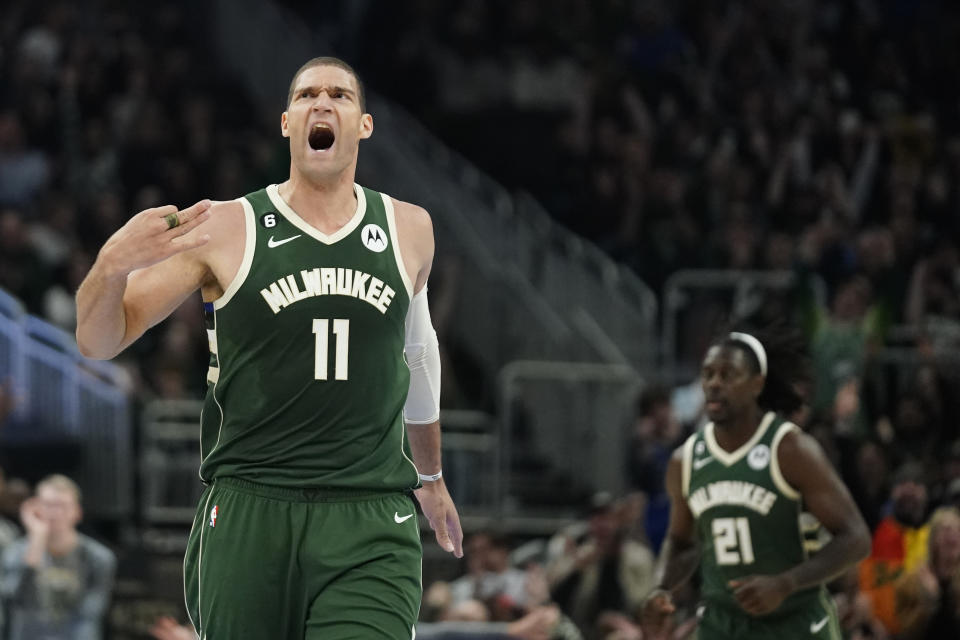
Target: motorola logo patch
{"x": 373, "y": 238}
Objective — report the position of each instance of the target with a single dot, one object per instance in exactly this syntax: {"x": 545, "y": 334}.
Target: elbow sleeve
{"x": 422, "y": 352}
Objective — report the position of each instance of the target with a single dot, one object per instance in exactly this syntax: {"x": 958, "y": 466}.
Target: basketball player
{"x": 321, "y": 347}
{"x": 737, "y": 489}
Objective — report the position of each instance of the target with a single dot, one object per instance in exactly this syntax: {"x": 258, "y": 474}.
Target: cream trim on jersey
{"x": 213, "y": 372}
{"x": 273, "y": 191}
{"x": 184, "y": 570}
{"x": 728, "y": 459}
{"x": 687, "y": 464}
{"x": 249, "y": 244}
{"x": 213, "y": 392}
{"x": 203, "y": 525}
{"x": 775, "y": 472}
{"x": 395, "y": 239}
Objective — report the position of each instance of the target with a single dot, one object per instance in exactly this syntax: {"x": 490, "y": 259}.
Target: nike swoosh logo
{"x": 276, "y": 243}
{"x": 702, "y": 462}
{"x": 398, "y": 519}
{"x": 816, "y": 626}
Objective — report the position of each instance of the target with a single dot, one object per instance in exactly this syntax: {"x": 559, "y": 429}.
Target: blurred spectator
{"x": 869, "y": 483}
{"x": 605, "y": 570}
{"x": 57, "y": 582}
{"x": 490, "y": 578}
{"x": 855, "y": 611}
{"x": 655, "y": 435}
{"x": 928, "y": 598}
{"x": 899, "y": 543}
{"x": 166, "y": 628}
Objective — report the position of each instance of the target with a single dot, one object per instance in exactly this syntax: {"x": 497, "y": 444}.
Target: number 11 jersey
{"x": 307, "y": 378}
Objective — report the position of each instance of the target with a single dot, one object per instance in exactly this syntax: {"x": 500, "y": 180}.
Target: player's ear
{"x": 756, "y": 385}
{"x": 284, "y": 129}
{"x": 366, "y": 126}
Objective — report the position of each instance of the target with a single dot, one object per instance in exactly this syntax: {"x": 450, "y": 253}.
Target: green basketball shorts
{"x": 268, "y": 563}
{"x": 814, "y": 621}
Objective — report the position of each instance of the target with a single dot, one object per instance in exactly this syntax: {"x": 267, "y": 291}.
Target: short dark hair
{"x": 328, "y": 61}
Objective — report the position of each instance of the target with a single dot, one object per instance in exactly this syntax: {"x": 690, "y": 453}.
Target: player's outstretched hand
{"x": 437, "y": 505}
{"x": 758, "y": 595}
{"x": 153, "y": 235}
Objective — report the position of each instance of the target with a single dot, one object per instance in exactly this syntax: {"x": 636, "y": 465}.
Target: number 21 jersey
{"x": 748, "y": 519}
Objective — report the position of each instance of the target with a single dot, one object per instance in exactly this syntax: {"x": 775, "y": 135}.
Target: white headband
{"x": 755, "y": 346}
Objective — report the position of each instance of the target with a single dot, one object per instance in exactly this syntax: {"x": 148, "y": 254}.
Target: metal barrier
{"x": 170, "y": 459}
{"x": 66, "y": 400}
{"x": 545, "y": 293}
{"x": 565, "y": 425}
{"x": 715, "y": 294}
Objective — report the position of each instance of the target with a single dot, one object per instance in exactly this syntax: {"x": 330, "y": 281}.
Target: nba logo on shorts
{"x": 213, "y": 515}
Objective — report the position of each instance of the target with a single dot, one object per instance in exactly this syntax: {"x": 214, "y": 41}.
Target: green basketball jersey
{"x": 307, "y": 377}
{"x": 748, "y": 519}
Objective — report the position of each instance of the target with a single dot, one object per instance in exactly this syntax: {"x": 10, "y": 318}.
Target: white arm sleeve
{"x": 422, "y": 352}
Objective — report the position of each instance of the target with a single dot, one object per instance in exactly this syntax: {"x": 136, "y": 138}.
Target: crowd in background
{"x": 818, "y": 137}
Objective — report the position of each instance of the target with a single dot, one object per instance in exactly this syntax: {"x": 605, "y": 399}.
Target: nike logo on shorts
{"x": 398, "y": 519}
{"x": 816, "y": 626}
{"x": 276, "y": 243}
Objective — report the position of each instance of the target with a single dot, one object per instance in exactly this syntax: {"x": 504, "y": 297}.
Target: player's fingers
{"x": 456, "y": 532}
{"x": 186, "y": 243}
{"x": 439, "y": 525}
{"x": 157, "y": 212}
{"x": 186, "y": 227}
{"x": 191, "y": 212}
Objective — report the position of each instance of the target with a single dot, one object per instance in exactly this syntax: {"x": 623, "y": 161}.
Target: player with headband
{"x": 738, "y": 489}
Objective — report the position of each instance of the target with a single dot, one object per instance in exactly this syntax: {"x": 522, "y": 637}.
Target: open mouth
{"x": 321, "y": 137}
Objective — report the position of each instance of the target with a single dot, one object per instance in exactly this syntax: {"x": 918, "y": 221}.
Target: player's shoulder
{"x": 411, "y": 215}
{"x": 789, "y": 439}
{"x": 225, "y": 209}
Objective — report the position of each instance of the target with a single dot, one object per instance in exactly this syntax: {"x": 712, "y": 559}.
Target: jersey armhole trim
{"x": 249, "y": 244}
{"x": 395, "y": 239}
{"x": 775, "y": 472}
{"x": 687, "y": 464}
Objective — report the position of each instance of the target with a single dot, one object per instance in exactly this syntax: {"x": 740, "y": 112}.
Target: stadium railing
{"x": 170, "y": 460}
{"x": 545, "y": 294}
{"x": 694, "y": 300}
{"x": 76, "y": 410}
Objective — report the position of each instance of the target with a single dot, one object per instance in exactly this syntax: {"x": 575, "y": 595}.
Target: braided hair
{"x": 788, "y": 364}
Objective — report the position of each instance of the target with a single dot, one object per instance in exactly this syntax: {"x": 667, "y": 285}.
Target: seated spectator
{"x": 489, "y": 574}
{"x": 855, "y": 611}
{"x": 899, "y": 543}
{"x": 605, "y": 571}
{"x": 928, "y": 598}
{"x": 56, "y": 581}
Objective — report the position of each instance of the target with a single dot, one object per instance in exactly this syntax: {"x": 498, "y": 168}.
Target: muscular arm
{"x": 142, "y": 273}
{"x": 806, "y": 468}
{"x": 415, "y": 231}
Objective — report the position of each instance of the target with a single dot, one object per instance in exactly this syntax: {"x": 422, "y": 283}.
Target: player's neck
{"x": 325, "y": 204}
{"x": 734, "y": 433}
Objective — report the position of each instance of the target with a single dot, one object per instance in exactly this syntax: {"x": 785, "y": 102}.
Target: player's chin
{"x": 716, "y": 411}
